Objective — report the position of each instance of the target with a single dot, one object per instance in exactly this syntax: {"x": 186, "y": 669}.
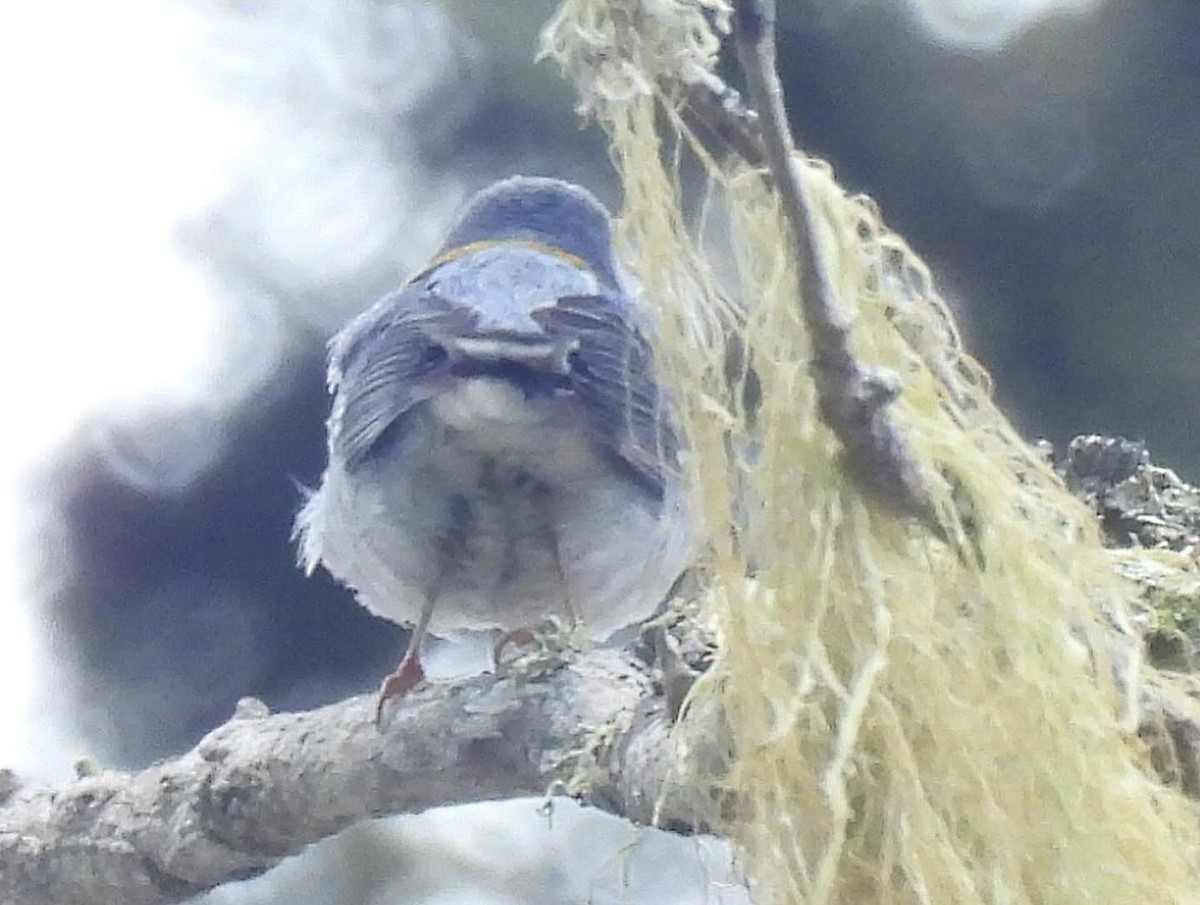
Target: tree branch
{"x": 262, "y": 787}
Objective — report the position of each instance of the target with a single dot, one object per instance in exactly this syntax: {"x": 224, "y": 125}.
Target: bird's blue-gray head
{"x": 525, "y": 292}
{"x": 544, "y": 213}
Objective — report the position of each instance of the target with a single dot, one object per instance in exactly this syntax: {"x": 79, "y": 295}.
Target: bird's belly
{"x": 497, "y": 549}
{"x": 505, "y": 540}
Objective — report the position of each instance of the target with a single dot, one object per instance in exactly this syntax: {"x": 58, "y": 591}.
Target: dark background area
{"x": 1052, "y": 182}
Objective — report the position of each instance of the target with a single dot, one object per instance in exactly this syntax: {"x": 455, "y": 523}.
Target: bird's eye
{"x": 578, "y": 364}
{"x": 432, "y": 356}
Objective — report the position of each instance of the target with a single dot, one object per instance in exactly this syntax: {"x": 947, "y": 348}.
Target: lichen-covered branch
{"x": 262, "y": 786}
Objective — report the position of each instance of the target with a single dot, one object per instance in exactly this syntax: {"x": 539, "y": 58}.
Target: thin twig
{"x": 854, "y": 400}
{"x": 719, "y": 111}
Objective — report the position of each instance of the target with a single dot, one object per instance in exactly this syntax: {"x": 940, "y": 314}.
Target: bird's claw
{"x": 407, "y": 676}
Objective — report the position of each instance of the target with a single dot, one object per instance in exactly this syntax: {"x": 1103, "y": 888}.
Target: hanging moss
{"x": 911, "y": 720}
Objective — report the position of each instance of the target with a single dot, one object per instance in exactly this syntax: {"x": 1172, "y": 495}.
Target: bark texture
{"x": 263, "y": 786}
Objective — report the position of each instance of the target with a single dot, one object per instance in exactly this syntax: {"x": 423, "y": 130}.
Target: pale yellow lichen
{"x": 911, "y": 722}
{"x": 622, "y": 49}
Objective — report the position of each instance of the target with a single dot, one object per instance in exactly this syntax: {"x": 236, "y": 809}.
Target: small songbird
{"x": 500, "y": 450}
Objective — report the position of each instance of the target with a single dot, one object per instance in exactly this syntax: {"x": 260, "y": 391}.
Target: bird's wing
{"x": 616, "y": 379}
{"x": 376, "y": 365}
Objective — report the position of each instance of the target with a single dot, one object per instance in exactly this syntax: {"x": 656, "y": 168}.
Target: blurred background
{"x": 198, "y": 193}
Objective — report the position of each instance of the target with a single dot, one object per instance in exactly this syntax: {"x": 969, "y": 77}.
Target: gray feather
{"x": 377, "y": 364}
{"x": 618, "y": 385}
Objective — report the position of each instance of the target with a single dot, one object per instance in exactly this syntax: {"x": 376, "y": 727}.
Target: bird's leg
{"x": 524, "y": 636}
{"x": 568, "y": 605}
{"x": 409, "y": 674}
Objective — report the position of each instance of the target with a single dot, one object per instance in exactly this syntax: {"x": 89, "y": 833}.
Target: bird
{"x": 501, "y": 450}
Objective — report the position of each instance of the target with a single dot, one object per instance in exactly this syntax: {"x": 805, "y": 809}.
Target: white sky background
{"x": 110, "y": 142}
{"x": 984, "y": 25}
{"x": 125, "y": 121}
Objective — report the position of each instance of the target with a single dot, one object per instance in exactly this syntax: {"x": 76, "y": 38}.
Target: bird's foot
{"x": 407, "y": 676}
{"x": 517, "y": 638}
{"x": 546, "y": 645}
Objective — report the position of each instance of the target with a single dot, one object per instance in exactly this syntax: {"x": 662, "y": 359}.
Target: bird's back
{"x": 499, "y": 443}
